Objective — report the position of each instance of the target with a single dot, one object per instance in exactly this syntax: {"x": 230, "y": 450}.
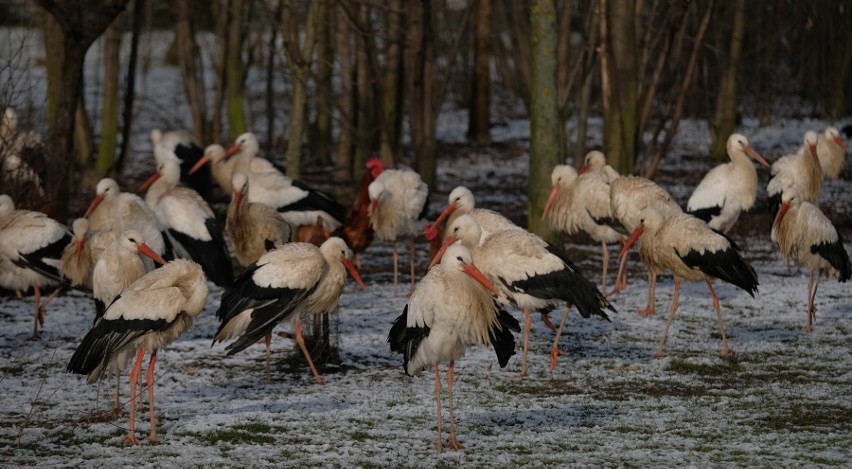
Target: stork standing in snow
{"x": 82, "y": 253}
{"x": 397, "y": 202}
{"x": 582, "y": 203}
{"x": 729, "y": 188}
{"x": 222, "y": 168}
{"x": 119, "y": 211}
{"x": 805, "y": 235}
{"x": 461, "y": 202}
{"x": 529, "y": 272}
{"x": 148, "y": 315}
{"x": 799, "y": 173}
{"x": 831, "y": 152}
{"x": 284, "y": 283}
{"x": 298, "y": 203}
{"x": 692, "y": 251}
{"x": 629, "y": 196}
{"x": 31, "y": 246}
{"x": 253, "y": 227}
{"x": 182, "y": 145}
{"x": 190, "y": 224}
{"x": 450, "y": 309}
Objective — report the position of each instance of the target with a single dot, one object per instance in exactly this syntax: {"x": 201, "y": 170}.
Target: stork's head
{"x": 594, "y": 161}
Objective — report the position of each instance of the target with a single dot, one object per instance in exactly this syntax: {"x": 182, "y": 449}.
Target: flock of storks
{"x": 147, "y": 261}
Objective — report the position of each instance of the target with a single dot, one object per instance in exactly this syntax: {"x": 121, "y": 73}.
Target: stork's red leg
{"x": 554, "y": 351}
{"x": 131, "y": 433}
{"x": 440, "y": 445}
{"x": 671, "y": 318}
{"x": 527, "y": 326}
{"x": 812, "y": 291}
{"x": 395, "y": 269}
{"x": 726, "y": 351}
{"x": 545, "y": 318}
{"x": 411, "y": 261}
{"x": 301, "y": 341}
{"x": 266, "y": 341}
{"x": 37, "y": 319}
{"x": 605, "y": 266}
{"x": 452, "y": 441}
{"x": 652, "y": 294}
{"x": 150, "y": 382}
{"x": 621, "y": 276}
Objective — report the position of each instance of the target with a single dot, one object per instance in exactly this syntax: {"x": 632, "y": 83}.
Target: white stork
{"x": 189, "y": 223}
{"x": 450, "y": 309}
{"x": 805, "y": 235}
{"x": 461, "y": 202}
{"x": 798, "y": 173}
{"x": 692, "y": 251}
{"x": 831, "y": 151}
{"x": 397, "y": 203}
{"x": 148, "y": 315}
{"x": 253, "y": 227}
{"x": 31, "y": 246}
{"x": 729, "y": 188}
{"x": 529, "y": 272}
{"x": 182, "y": 145}
{"x": 284, "y": 283}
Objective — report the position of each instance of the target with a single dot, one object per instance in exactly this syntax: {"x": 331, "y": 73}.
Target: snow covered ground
{"x": 784, "y": 399}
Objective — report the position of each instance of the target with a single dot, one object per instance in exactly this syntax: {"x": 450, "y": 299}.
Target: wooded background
{"x": 360, "y": 75}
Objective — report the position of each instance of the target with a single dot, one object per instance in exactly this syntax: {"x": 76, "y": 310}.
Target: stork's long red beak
{"x": 354, "y": 273}
{"x": 238, "y": 197}
{"x": 440, "y": 253}
{"x": 840, "y": 143}
{"x": 232, "y": 151}
{"x": 814, "y": 154}
{"x": 477, "y": 275}
{"x": 198, "y": 164}
{"x": 549, "y": 203}
{"x": 95, "y": 202}
{"x": 636, "y": 234}
{"x": 148, "y": 252}
{"x": 781, "y": 212}
{"x": 431, "y": 230}
{"x": 755, "y": 155}
{"x": 583, "y": 169}
{"x": 150, "y": 181}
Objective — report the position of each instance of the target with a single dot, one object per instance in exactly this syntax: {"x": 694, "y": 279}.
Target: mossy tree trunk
{"x": 392, "y": 114}
{"x": 725, "y": 116}
{"x": 621, "y": 114}
{"x": 479, "y": 125}
{"x": 110, "y": 105}
{"x": 234, "y": 70}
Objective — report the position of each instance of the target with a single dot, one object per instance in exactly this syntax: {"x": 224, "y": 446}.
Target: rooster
{"x": 356, "y": 229}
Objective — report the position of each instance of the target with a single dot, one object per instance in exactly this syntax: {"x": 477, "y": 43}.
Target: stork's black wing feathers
{"x": 211, "y": 255}
{"x": 726, "y": 265}
{"x": 706, "y": 213}
{"x": 108, "y": 337}
{"x": 501, "y": 337}
{"x": 315, "y": 200}
{"x": 836, "y": 255}
{"x": 36, "y": 260}
{"x": 774, "y": 205}
{"x": 202, "y": 179}
{"x": 405, "y": 340}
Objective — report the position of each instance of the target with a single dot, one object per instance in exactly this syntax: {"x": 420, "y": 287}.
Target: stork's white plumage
{"x": 831, "y": 151}
{"x": 221, "y": 167}
{"x": 82, "y": 253}
{"x": 397, "y": 203}
{"x": 118, "y": 267}
{"x": 450, "y": 309}
{"x": 629, "y": 196}
{"x": 805, "y": 235}
{"x": 119, "y": 211}
{"x": 284, "y": 283}
{"x": 798, "y": 173}
{"x": 528, "y": 271}
{"x": 148, "y": 315}
{"x": 182, "y": 145}
{"x": 692, "y": 251}
{"x": 582, "y": 203}
{"x": 298, "y": 203}
{"x": 189, "y": 223}
{"x": 461, "y": 202}
{"x": 729, "y": 188}
{"x": 253, "y": 227}
{"x": 31, "y": 246}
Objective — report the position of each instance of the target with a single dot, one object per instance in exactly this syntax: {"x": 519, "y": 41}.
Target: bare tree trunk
{"x": 299, "y": 62}
{"x": 841, "y": 96}
{"x": 420, "y": 71}
{"x": 725, "y": 118}
{"x": 544, "y": 113}
{"x": 325, "y": 53}
{"x": 364, "y": 96}
{"x": 346, "y": 106}
{"x": 391, "y": 99}
{"x": 189, "y": 58}
{"x": 479, "y": 125}
{"x": 109, "y": 114}
{"x": 621, "y": 116}
{"x": 590, "y": 59}
{"x": 234, "y": 68}
{"x": 272, "y": 51}
{"x": 130, "y": 86}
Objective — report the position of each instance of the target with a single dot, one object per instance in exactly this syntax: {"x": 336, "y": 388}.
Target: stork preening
{"x": 148, "y": 315}
{"x": 529, "y": 272}
{"x": 451, "y": 309}
{"x": 189, "y": 223}
{"x": 397, "y": 203}
{"x": 253, "y": 227}
{"x": 183, "y": 146}
{"x": 798, "y": 173}
{"x": 729, "y": 188}
{"x": 692, "y": 251}
{"x": 31, "y": 246}
{"x": 831, "y": 151}
{"x": 805, "y": 235}
{"x": 582, "y": 203}
{"x": 284, "y": 283}
{"x": 629, "y": 196}
{"x": 461, "y": 202}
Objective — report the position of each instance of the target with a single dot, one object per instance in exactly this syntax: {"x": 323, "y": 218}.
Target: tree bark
{"x": 725, "y": 117}
{"x": 325, "y": 53}
{"x": 189, "y": 58}
{"x": 364, "y": 113}
{"x": 343, "y": 162}
{"x": 299, "y": 62}
{"x": 620, "y": 124}
{"x": 392, "y": 115}
{"x": 420, "y": 72}
{"x": 109, "y": 113}
{"x": 130, "y": 85}
{"x": 479, "y": 125}
{"x": 544, "y": 113}
{"x": 234, "y": 68}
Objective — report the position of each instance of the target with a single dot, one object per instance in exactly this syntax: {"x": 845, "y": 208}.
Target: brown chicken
{"x": 356, "y": 229}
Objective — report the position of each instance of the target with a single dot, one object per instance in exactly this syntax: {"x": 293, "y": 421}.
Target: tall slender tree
{"x": 479, "y": 126}
{"x": 725, "y": 117}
